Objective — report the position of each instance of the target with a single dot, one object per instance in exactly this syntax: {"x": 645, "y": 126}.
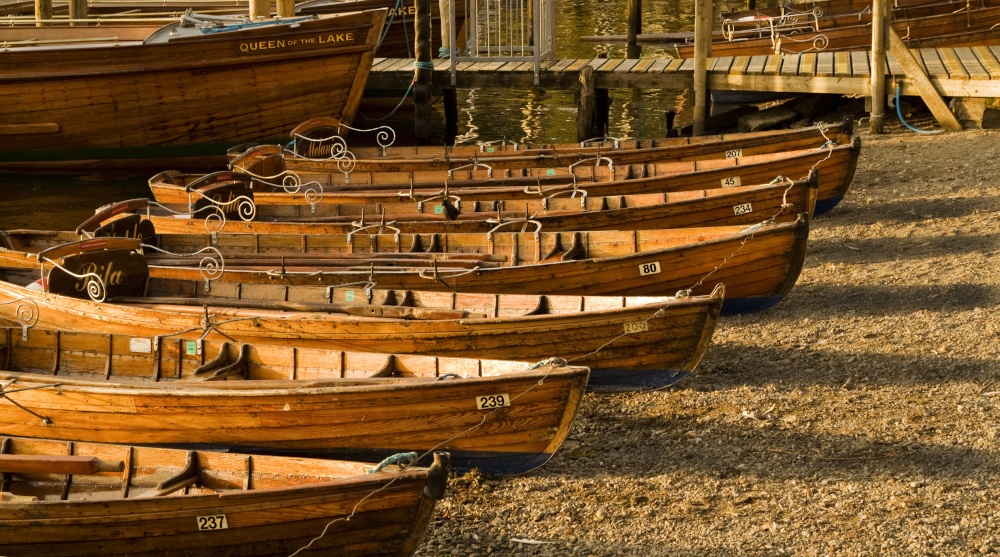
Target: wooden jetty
{"x": 955, "y": 72}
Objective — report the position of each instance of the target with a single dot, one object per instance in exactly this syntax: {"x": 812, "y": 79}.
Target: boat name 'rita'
{"x": 110, "y": 278}
{"x": 257, "y": 46}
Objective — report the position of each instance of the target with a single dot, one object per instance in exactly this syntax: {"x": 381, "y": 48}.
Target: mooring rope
{"x": 555, "y": 365}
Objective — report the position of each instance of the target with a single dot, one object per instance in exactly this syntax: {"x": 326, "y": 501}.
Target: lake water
{"x": 62, "y": 202}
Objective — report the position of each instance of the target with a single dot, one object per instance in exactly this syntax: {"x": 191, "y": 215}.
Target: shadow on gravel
{"x": 879, "y": 250}
{"x": 729, "y": 446}
{"x": 730, "y": 365}
{"x": 907, "y": 210}
{"x": 818, "y": 301}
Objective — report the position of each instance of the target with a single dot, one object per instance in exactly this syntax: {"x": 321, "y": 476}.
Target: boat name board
{"x": 140, "y": 345}
{"x": 743, "y": 209}
{"x": 274, "y": 44}
{"x": 212, "y": 522}
{"x": 489, "y": 402}
{"x": 649, "y": 268}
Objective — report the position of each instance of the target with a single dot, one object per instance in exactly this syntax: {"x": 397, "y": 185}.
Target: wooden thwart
{"x": 51, "y": 464}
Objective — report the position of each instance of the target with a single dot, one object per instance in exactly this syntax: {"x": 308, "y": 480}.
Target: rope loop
{"x": 407, "y": 458}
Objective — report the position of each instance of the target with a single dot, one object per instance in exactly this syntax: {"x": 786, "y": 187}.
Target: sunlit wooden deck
{"x": 955, "y": 72}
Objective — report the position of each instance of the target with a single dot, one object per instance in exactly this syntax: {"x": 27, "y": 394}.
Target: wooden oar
{"x": 396, "y": 312}
{"x": 56, "y": 464}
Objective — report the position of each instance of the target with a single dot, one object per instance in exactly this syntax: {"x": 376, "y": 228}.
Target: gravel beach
{"x": 858, "y": 417}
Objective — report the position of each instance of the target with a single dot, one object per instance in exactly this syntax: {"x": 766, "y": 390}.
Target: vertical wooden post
{"x": 77, "y": 10}
{"x": 880, "y": 23}
{"x": 43, "y": 10}
{"x": 585, "y": 104}
{"x": 444, "y": 11}
{"x": 634, "y": 17}
{"x": 286, "y": 8}
{"x": 260, "y": 9}
{"x": 450, "y": 116}
{"x": 422, "y": 71}
{"x": 702, "y": 51}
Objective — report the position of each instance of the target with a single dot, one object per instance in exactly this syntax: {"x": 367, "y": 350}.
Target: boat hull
{"x": 193, "y": 95}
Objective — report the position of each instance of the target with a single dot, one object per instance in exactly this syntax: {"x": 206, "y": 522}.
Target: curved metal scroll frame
{"x": 95, "y": 287}
{"x": 211, "y": 267}
{"x": 289, "y": 182}
{"x": 26, "y": 313}
{"x": 345, "y": 159}
{"x": 215, "y": 219}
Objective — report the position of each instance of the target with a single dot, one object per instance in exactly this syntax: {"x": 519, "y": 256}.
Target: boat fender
{"x": 40, "y": 285}
{"x": 437, "y": 476}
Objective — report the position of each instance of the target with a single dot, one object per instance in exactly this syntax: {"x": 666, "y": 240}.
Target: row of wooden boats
{"x": 288, "y": 308}
{"x": 846, "y": 26}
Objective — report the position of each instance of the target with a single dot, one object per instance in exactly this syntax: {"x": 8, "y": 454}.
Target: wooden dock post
{"x": 422, "y": 76}
{"x": 77, "y": 10}
{"x": 634, "y": 17}
{"x": 585, "y": 105}
{"x": 43, "y": 10}
{"x": 702, "y": 51}
{"x": 260, "y": 9}
{"x": 880, "y": 24}
{"x": 286, "y": 8}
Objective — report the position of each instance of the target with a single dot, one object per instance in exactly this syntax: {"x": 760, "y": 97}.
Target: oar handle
{"x": 57, "y": 464}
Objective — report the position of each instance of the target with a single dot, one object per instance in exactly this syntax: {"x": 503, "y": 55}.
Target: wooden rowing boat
{"x": 65, "y": 499}
{"x": 318, "y": 146}
{"x": 743, "y": 205}
{"x": 186, "y": 89}
{"x": 836, "y": 166}
{"x": 628, "y": 342}
{"x": 759, "y": 264}
{"x": 962, "y": 27}
{"x": 395, "y": 41}
{"x": 502, "y": 417}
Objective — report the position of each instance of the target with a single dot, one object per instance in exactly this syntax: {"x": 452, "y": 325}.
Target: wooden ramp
{"x": 955, "y": 72}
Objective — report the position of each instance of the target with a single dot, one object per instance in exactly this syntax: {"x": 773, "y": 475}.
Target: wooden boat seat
{"x": 8, "y": 497}
{"x": 221, "y": 368}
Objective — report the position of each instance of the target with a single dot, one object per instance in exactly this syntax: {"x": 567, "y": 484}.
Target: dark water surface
{"x": 62, "y": 202}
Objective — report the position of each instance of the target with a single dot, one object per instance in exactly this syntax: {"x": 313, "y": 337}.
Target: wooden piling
{"x": 702, "y": 51}
{"x": 444, "y": 8}
{"x": 450, "y": 116}
{"x": 634, "y": 17}
{"x": 260, "y": 9}
{"x": 286, "y": 8}
{"x": 43, "y": 11}
{"x": 880, "y": 24}
{"x": 77, "y": 10}
{"x": 422, "y": 73}
{"x": 585, "y": 104}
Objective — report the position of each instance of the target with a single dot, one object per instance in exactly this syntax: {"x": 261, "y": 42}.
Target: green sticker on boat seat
{"x": 550, "y": 172}
{"x": 191, "y": 347}
{"x": 349, "y": 296}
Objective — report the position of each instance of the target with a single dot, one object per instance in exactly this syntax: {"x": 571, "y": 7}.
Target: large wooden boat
{"x": 276, "y": 184}
{"x": 499, "y": 416}
{"x": 318, "y": 146}
{"x": 628, "y": 342}
{"x": 195, "y": 87}
{"x": 973, "y": 26}
{"x": 65, "y": 499}
{"x": 743, "y": 205}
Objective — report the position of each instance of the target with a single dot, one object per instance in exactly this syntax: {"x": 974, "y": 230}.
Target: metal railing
{"x": 503, "y": 31}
